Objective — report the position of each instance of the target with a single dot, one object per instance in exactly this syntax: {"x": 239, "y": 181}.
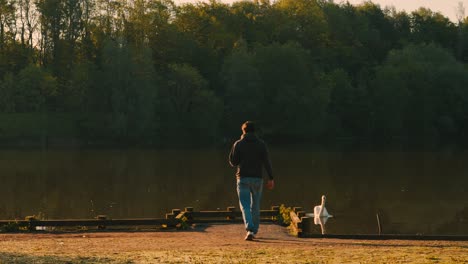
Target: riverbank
{"x": 218, "y": 244}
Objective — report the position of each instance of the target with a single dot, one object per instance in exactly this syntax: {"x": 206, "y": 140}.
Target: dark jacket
{"x": 250, "y": 154}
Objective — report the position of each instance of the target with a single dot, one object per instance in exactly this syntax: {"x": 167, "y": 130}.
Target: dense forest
{"x": 152, "y": 73}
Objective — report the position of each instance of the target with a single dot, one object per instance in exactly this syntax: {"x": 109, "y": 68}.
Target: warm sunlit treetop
{"x": 448, "y": 8}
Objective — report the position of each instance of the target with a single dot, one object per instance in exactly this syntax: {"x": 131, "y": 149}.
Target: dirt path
{"x": 218, "y": 244}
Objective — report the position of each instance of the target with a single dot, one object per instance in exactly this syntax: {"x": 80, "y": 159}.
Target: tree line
{"x": 154, "y": 73}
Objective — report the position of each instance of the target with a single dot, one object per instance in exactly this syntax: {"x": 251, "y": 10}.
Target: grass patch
{"x": 22, "y": 258}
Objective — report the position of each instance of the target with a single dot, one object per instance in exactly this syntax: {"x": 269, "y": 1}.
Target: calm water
{"x": 413, "y": 192}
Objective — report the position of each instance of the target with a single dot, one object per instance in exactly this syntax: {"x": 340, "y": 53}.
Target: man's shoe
{"x": 249, "y": 236}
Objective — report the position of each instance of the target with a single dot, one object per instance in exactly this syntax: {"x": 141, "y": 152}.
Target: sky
{"x": 446, "y": 7}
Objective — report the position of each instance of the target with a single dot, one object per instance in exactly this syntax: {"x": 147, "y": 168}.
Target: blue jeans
{"x": 249, "y": 190}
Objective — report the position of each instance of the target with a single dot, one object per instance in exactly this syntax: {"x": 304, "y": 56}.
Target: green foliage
{"x": 185, "y": 103}
{"x": 10, "y": 227}
{"x": 129, "y": 81}
{"x": 291, "y": 90}
{"x": 155, "y": 73}
{"x": 242, "y": 84}
{"x": 7, "y": 94}
{"x": 183, "y": 224}
{"x": 420, "y": 91}
{"x": 429, "y": 26}
{"x": 284, "y": 216}
{"x": 33, "y": 88}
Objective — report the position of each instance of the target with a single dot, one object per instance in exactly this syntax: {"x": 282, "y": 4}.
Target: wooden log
{"x": 297, "y": 209}
{"x": 31, "y": 222}
{"x": 170, "y": 216}
{"x": 268, "y": 213}
{"x": 390, "y": 237}
{"x": 188, "y": 213}
{"x": 212, "y": 214}
{"x": 296, "y": 223}
{"x": 113, "y": 222}
{"x": 176, "y": 211}
{"x": 225, "y": 214}
{"x": 237, "y": 220}
{"x": 180, "y": 216}
{"x": 232, "y": 216}
{"x": 96, "y": 222}
{"x": 101, "y": 218}
{"x": 294, "y": 218}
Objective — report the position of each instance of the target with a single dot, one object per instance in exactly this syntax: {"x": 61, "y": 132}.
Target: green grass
{"x": 264, "y": 255}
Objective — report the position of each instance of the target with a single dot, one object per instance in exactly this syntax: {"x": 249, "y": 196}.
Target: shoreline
{"x": 219, "y": 243}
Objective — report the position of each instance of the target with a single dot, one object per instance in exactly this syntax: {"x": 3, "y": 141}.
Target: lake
{"x": 413, "y": 192}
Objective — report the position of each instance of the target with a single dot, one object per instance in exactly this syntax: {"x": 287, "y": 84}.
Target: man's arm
{"x": 234, "y": 158}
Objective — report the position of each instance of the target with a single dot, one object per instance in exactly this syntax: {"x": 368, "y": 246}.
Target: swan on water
{"x": 320, "y": 211}
{"x": 320, "y": 215}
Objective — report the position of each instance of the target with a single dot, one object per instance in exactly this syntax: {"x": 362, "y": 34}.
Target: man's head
{"x": 248, "y": 127}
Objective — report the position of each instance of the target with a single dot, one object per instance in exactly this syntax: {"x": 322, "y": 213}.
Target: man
{"x": 250, "y": 155}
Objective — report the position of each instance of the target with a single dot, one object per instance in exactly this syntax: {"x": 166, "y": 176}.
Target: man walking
{"x": 250, "y": 155}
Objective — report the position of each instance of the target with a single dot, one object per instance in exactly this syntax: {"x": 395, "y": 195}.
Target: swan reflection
{"x": 321, "y": 215}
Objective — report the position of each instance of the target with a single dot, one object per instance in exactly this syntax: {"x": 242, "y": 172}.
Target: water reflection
{"x": 321, "y": 221}
{"x": 320, "y": 215}
{"x": 404, "y": 187}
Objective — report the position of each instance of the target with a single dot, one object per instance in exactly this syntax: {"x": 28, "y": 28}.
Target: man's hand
{"x": 270, "y": 184}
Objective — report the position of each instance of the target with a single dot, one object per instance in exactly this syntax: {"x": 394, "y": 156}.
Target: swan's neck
{"x": 322, "y": 206}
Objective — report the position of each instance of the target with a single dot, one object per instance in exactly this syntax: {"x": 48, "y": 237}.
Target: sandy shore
{"x": 218, "y": 244}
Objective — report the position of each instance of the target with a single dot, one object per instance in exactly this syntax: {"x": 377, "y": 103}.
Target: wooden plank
{"x": 296, "y": 223}
{"x": 237, "y": 220}
{"x": 95, "y": 222}
{"x": 119, "y": 222}
{"x": 214, "y": 214}
{"x": 269, "y": 213}
{"x": 235, "y": 214}
{"x": 230, "y": 215}
{"x": 390, "y": 237}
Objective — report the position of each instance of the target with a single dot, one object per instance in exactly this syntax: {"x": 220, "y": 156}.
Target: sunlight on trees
{"x": 154, "y": 73}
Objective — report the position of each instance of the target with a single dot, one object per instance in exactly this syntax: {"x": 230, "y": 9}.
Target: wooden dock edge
{"x": 175, "y": 218}
{"x": 389, "y": 237}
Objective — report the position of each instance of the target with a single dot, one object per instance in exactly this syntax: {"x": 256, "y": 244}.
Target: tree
{"x": 250, "y": 21}
{"x": 291, "y": 89}
{"x": 302, "y": 21}
{"x": 349, "y": 110}
{"x": 428, "y": 26}
{"x": 7, "y": 22}
{"x": 243, "y": 96}
{"x": 420, "y": 93}
{"x": 143, "y": 93}
{"x": 190, "y": 112}
{"x": 207, "y": 24}
{"x": 116, "y": 80}
{"x": 34, "y": 88}
{"x": 7, "y": 93}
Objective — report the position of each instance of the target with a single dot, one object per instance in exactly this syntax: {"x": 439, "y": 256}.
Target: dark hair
{"x": 248, "y": 127}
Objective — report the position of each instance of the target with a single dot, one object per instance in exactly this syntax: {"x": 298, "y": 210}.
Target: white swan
{"x": 320, "y": 215}
{"x": 320, "y": 211}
